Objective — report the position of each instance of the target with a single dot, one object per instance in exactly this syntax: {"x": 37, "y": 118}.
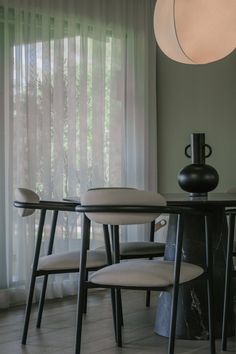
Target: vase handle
{"x": 186, "y": 151}
{"x": 210, "y": 150}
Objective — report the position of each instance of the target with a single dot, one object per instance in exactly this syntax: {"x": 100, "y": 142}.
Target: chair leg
{"x": 211, "y": 315}
{"x": 228, "y": 280}
{"x": 41, "y": 301}
{"x": 171, "y": 344}
{"x": 226, "y": 312}
{"x": 82, "y": 280}
{"x": 151, "y": 239}
{"x": 175, "y": 291}
{"x": 118, "y": 318}
{"x": 80, "y": 309}
{"x": 117, "y": 314}
{"x": 28, "y": 308}
{"x": 119, "y": 299}
{"x": 148, "y": 298}
{"x": 113, "y": 304}
{"x": 210, "y": 295}
{"x": 45, "y": 281}
{"x": 33, "y": 276}
{"x": 85, "y": 295}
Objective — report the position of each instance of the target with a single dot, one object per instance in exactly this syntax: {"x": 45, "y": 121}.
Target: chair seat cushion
{"x": 144, "y": 273}
{"x": 141, "y": 248}
{"x": 71, "y": 260}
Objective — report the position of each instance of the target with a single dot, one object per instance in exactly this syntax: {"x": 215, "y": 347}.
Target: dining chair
{"x": 230, "y": 268}
{"x": 53, "y": 263}
{"x": 230, "y": 273}
{"x": 115, "y": 208}
{"x": 143, "y": 248}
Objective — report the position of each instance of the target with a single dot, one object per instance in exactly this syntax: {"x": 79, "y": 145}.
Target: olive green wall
{"x": 196, "y": 98}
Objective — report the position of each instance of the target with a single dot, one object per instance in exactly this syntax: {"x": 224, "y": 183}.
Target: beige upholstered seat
{"x": 121, "y": 207}
{"x": 71, "y": 260}
{"x": 144, "y": 273}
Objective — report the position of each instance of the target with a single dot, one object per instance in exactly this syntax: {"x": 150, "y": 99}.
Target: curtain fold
{"x": 78, "y": 99}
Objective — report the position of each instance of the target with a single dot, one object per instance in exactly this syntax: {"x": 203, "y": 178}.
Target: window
{"x": 78, "y": 92}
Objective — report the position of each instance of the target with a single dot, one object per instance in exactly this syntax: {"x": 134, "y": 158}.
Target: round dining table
{"x": 192, "y": 313}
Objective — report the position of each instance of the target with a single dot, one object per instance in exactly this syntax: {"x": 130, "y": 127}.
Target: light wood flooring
{"x": 58, "y": 329}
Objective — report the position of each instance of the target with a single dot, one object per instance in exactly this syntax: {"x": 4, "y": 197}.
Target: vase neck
{"x": 198, "y": 148}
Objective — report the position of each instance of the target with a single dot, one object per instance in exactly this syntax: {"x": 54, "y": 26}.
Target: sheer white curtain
{"x": 78, "y": 110}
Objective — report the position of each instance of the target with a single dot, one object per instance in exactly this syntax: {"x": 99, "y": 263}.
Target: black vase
{"x": 198, "y": 178}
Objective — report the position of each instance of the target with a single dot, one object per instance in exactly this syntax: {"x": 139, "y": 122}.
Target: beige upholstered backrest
{"x": 24, "y": 195}
{"x": 121, "y": 197}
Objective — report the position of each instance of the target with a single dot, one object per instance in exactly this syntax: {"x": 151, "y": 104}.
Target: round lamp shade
{"x": 195, "y": 31}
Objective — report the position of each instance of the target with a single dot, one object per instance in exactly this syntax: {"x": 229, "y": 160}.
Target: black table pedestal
{"x": 192, "y": 316}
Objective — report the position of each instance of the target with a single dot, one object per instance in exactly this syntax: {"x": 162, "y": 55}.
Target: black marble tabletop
{"x": 217, "y": 199}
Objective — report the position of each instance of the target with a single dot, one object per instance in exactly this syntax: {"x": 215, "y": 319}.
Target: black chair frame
{"x": 55, "y": 207}
{"x": 83, "y": 283}
{"x": 230, "y": 272}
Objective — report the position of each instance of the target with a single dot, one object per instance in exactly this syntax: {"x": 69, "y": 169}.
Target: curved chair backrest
{"x": 121, "y": 197}
{"x": 25, "y": 195}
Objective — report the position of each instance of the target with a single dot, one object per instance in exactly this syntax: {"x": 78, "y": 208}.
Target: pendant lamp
{"x": 195, "y": 31}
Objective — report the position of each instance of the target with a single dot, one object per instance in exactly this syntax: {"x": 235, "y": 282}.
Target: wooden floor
{"x": 58, "y": 328}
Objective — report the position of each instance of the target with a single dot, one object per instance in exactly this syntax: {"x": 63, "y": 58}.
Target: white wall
{"x": 196, "y": 98}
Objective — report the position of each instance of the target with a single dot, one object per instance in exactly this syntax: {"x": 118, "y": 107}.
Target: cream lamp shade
{"x": 195, "y": 31}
